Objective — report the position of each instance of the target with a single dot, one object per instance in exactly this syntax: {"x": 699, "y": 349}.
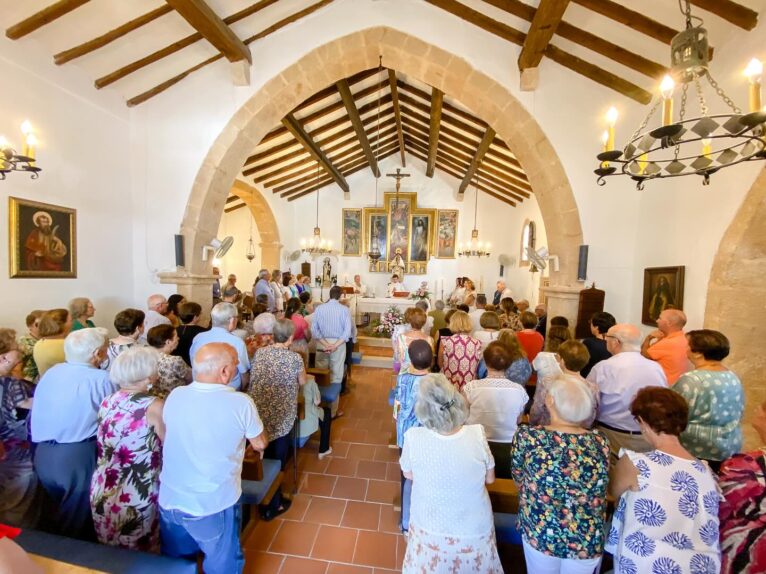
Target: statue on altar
{"x": 396, "y": 265}
{"x": 326, "y": 273}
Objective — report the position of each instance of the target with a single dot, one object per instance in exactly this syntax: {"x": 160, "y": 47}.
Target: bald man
{"x": 207, "y": 426}
{"x": 667, "y": 344}
{"x": 157, "y": 308}
{"x": 619, "y": 378}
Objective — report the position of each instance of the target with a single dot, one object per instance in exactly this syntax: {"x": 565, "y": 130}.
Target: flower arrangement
{"x": 421, "y": 293}
{"x": 388, "y": 321}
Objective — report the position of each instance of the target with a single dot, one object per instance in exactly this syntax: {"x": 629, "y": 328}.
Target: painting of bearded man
{"x": 42, "y": 240}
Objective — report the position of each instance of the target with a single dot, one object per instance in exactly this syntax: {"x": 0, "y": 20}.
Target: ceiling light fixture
{"x": 25, "y": 161}
{"x": 688, "y": 146}
{"x": 475, "y": 248}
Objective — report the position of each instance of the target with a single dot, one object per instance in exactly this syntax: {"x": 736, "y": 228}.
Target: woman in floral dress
{"x": 125, "y": 485}
{"x": 172, "y": 371}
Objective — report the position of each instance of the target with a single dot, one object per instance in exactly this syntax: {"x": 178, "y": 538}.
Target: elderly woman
{"x": 81, "y": 309}
{"x": 546, "y": 363}
{"x": 417, "y": 319}
{"x": 667, "y": 517}
{"x": 715, "y": 398}
{"x": 263, "y": 329}
{"x": 276, "y": 376}
{"x": 562, "y": 471}
{"x": 129, "y": 324}
{"x": 64, "y": 424}
{"x": 125, "y": 484}
{"x": 490, "y": 328}
{"x": 19, "y": 503}
{"x": 174, "y": 303}
{"x": 276, "y": 288}
{"x": 458, "y": 293}
{"x": 302, "y": 334}
{"x": 27, "y": 345}
{"x": 55, "y": 325}
{"x": 189, "y": 313}
{"x": 497, "y": 403}
{"x": 172, "y": 371}
{"x": 509, "y": 318}
{"x": 449, "y": 463}
{"x": 460, "y": 353}
{"x": 743, "y": 485}
{"x": 600, "y": 323}
{"x": 520, "y": 370}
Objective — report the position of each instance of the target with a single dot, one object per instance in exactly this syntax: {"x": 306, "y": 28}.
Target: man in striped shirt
{"x": 331, "y": 328}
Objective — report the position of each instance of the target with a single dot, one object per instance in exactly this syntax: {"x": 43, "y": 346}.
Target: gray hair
{"x": 440, "y": 407}
{"x": 135, "y": 364}
{"x": 78, "y": 306}
{"x": 439, "y": 305}
{"x": 422, "y": 304}
{"x": 264, "y": 323}
{"x": 283, "y": 330}
{"x": 572, "y": 398}
{"x": 628, "y": 335}
{"x": 222, "y": 313}
{"x": 79, "y": 346}
{"x": 262, "y": 273}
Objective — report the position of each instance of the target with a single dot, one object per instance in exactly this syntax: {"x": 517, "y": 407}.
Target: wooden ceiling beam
{"x": 42, "y": 18}
{"x": 446, "y": 106}
{"x": 397, "y": 113}
{"x": 331, "y": 90}
{"x": 575, "y": 64}
{"x": 489, "y": 135}
{"x": 433, "y": 139}
{"x": 288, "y": 20}
{"x": 356, "y": 122}
{"x": 235, "y": 208}
{"x": 232, "y": 198}
{"x": 630, "y": 18}
{"x": 732, "y": 12}
{"x": 295, "y": 128}
{"x": 547, "y": 18}
{"x": 111, "y": 36}
{"x": 202, "y": 18}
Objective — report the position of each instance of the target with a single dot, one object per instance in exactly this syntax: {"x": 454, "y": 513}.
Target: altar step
{"x": 375, "y": 352}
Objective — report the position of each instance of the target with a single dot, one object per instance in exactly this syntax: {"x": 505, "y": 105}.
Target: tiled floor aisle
{"x": 342, "y": 520}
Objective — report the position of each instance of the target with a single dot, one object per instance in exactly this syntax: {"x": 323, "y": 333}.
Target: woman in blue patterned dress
{"x": 666, "y": 520}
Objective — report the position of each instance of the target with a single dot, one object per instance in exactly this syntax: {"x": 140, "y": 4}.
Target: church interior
{"x": 579, "y": 157}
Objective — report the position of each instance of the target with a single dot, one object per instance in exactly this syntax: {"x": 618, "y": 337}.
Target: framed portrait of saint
{"x": 421, "y": 235}
{"x": 376, "y": 231}
{"x": 446, "y": 233}
{"x": 399, "y": 208}
{"x": 43, "y": 239}
{"x": 663, "y": 289}
{"x": 352, "y": 232}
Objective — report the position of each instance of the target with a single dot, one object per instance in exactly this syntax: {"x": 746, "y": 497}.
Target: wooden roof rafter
{"x": 546, "y": 20}
{"x": 43, "y": 18}
{"x": 397, "y": 113}
{"x": 433, "y": 138}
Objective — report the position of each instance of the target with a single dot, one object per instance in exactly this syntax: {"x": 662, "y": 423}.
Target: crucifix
{"x": 396, "y": 264}
{"x": 398, "y": 176}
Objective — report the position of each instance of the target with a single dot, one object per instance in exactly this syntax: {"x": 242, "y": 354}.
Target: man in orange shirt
{"x": 667, "y": 344}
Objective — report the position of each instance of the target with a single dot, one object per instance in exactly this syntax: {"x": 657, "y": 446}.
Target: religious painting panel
{"x": 663, "y": 289}
{"x": 421, "y": 235}
{"x": 376, "y": 232}
{"x": 43, "y": 239}
{"x": 399, "y": 209}
{"x": 352, "y": 232}
{"x": 446, "y": 234}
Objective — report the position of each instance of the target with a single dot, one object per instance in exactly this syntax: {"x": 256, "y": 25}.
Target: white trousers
{"x": 335, "y": 361}
{"x": 539, "y": 563}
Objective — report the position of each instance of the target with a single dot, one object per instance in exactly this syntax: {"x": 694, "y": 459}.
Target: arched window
{"x": 528, "y": 239}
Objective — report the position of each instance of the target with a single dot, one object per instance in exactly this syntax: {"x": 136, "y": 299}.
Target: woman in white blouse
{"x": 449, "y": 463}
{"x": 490, "y": 328}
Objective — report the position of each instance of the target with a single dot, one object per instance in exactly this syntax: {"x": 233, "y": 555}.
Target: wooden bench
{"x": 504, "y": 496}
{"x": 264, "y": 477}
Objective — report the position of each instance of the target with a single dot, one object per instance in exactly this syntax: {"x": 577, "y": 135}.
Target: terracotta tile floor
{"x": 342, "y": 520}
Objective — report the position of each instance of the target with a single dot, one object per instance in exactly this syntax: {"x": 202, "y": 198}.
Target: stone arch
{"x": 736, "y": 294}
{"x": 264, "y": 220}
{"x": 430, "y": 64}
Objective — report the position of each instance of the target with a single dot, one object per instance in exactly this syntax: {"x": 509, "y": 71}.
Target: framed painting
{"x": 421, "y": 234}
{"x": 376, "y": 229}
{"x": 352, "y": 232}
{"x": 43, "y": 239}
{"x": 399, "y": 209}
{"x": 663, "y": 289}
{"x": 446, "y": 233}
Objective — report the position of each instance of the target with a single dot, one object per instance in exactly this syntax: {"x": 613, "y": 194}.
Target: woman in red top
{"x": 531, "y": 340}
{"x": 302, "y": 334}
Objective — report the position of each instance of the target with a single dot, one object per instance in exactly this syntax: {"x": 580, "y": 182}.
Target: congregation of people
{"x": 618, "y": 444}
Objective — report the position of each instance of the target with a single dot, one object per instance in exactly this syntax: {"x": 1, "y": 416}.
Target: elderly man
{"x": 157, "y": 308}
{"x": 224, "y": 318}
{"x": 331, "y": 327}
{"x": 542, "y": 319}
{"x": 359, "y": 287}
{"x": 262, "y": 287}
{"x": 619, "y": 378}
{"x": 207, "y": 425}
{"x": 64, "y": 424}
{"x": 230, "y": 292}
{"x": 667, "y": 344}
{"x": 522, "y": 305}
{"x": 501, "y": 293}
{"x": 481, "y": 304}
{"x": 216, "y": 286}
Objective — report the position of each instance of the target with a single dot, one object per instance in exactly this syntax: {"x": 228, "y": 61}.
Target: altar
{"x": 381, "y": 304}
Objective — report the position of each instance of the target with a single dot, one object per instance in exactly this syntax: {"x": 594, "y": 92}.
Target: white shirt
{"x": 457, "y": 296}
{"x": 546, "y": 366}
{"x": 205, "y": 430}
{"x": 449, "y": 496}
{"x": 486, "y": 337}
{"x": 619, "y": 378}
{"x": 475, "y": 316}
{"x": 279, "y": 300}
{"x": 496, "y": 404}
{"x": 397, "y": 287}
{"x": 360, "y": 289}
{"x": 152, "y": 319}
{"x": 221, "y": 335}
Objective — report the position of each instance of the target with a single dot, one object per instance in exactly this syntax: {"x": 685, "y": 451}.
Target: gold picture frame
{"x": 445, "y": 234}
{"x": 421, "y": 249}
{"x": 352, "y": 234}
{"x": 42, "y": 239}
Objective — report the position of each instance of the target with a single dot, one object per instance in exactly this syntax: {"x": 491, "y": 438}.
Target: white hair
{"x": 283, "y": 330}
{"x": 264, "y": 323}
{"x": 80, "y": 345}
{"x": 213, "y": 362}
{"x": 222, "y": 313}
{"x": 628, "y": 335}
{"x": 572, "y": 398}
{"x": 135, "y": 364}
{"x": 440, "y": 407}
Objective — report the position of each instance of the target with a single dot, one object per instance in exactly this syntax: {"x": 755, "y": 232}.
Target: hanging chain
{"x": 377, "y": 127}
{"x": 644, "y": 123}
{"x": 700, "y": 97}
{"x": 317, "y": 225}
{"x": 722, "y": 94}
{"x": 476, "y": 199}
{"x": 681, "y": 115}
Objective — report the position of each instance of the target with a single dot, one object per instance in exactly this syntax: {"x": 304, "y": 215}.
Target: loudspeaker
{"x": 582, "y": 264}
{"x": 180, "y": 258}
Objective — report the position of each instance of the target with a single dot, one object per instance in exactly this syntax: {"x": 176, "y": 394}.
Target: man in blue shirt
{"x": 224, "y": 317}
{"x": 331, "y": 328}
{"x": 263, "y": 287}
{"x": 64, "y": 424}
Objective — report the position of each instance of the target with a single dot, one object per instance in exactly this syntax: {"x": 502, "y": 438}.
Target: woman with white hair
{"x": 562, "y": 472}
{"x": 451, "y": 523}
{"x": 125, "y": 484}
{"x": 263, "y": 332}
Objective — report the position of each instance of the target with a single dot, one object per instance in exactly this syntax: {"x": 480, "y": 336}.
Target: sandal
{"x": 268, "y": 516}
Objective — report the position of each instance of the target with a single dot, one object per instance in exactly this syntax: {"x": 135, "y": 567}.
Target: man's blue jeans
{"x": 216, "y": 535}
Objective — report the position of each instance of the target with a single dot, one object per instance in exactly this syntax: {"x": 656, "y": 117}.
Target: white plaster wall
{"x": 239, "y": 224}
{"x": 84, "y": 155}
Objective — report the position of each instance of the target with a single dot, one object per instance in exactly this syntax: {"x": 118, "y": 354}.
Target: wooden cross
{"x": 398, "y": 176}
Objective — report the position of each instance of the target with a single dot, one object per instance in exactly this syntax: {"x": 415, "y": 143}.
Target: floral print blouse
{"x": 172, "y": 373}
{"x": 274, "y": 388}
{"x": 562, "y": 480}
{"x": 461, "y": 357}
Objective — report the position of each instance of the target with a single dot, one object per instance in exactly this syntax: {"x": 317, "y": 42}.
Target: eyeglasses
{"x": 612, "y": 337}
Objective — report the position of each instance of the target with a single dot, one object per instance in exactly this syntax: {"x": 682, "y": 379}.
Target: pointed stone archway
{"x": 736, "y": 295}
{"x": 265, "y": 221}
{"x": 427, "y": 63}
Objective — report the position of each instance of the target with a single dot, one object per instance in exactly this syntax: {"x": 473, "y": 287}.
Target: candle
{"x": 605, "y": 147}
{"x": 31, "y": 142}
{"x": 481, "y": 284}
{"x": 706, "y": 147}
{"x": 611, "y": 120}
{"x": 642, "y": 163}
{"x": 666, "y": 89}
{"x": 753, "y": 72}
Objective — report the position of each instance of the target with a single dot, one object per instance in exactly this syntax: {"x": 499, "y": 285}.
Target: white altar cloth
{"x": 381, "y": 304}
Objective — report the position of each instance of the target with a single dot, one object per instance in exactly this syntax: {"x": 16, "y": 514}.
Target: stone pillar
{"x": 270, "y": 255}
{"x": 563, "y": 300}
{"x": 197, "y": 288}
